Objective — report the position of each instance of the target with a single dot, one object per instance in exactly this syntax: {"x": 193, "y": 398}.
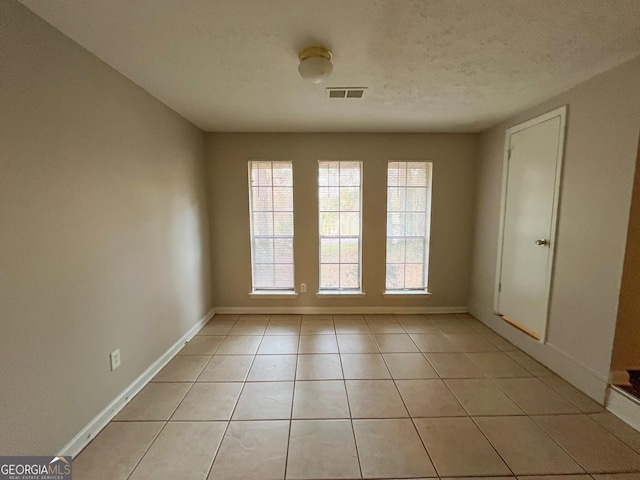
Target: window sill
{"x": 273, "y": 294}
{"x": 340, "y": 294}
{"x": 407, "y": 293}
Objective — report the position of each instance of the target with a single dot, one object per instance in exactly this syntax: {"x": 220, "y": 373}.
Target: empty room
{"x": 296, "y": 240}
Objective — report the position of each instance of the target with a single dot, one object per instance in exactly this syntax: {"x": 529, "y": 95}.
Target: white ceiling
{"x": 430, "y": 65}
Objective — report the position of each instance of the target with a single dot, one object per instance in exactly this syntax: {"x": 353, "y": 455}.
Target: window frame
{"x": 423, "y": 290}
{"x": 261, "y": 291}
{"x": 341, "y": 291}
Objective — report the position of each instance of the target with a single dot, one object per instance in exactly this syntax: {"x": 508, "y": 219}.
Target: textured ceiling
{"x": 429, "y": 65}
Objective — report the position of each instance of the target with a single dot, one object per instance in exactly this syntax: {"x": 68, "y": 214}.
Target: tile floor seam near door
{"x": 481, "y": 432}
{"x": 472, "y": 419}
{"x": 626, "y": 441}
{"x": 492, "y": 445}
{"x": 412, "y": 418}
{"x": 487, "y": 409}
{"x": 559, "y": 445}
{"x": 416, "y": 427}
{"x": 476, "y": 425}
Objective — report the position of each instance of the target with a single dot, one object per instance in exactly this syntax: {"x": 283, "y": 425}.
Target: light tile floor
{"x": 353, "y": 396}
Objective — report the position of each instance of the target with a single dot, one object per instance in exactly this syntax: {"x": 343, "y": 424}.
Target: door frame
{"x": 558, "y": 112}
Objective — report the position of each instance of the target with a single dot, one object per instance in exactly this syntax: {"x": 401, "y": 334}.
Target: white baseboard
{"x": 624, "y": 406}
{"x": 584, "y": 378}
{"x": 75, "y": 446}
{"x": 336, "y": 310}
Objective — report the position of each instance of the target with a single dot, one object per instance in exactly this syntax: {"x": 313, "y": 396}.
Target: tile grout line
{"x": 566, "y": 397}
{"x": 405, "y": 404}
{"x": 411, "y": 417}
{"x": 293, "y": 399}
{"x": 510, "y": 397}
{"x": 535, "y": 423}
{"x": 532, "y": 417}
{"x": 147, "y": 449}
{"x": 174, "y": 410}
{"x": 363, "y": 418}
{"x": 478, "y": 427}
{"x": 480, "y": 430}
{"x": 628, "y": 444}
{"x": 346, "y": 391}
{"x": 224, "y": 434}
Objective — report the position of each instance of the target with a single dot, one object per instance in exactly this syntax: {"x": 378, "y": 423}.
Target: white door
{"x": 529, "y": 205}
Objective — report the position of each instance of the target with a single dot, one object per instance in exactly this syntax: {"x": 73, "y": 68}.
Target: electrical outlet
{"x": 115, "y": 359}
{"x": 303, "y": 287}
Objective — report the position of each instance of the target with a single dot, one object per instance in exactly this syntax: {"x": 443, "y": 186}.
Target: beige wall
{"x": 454, "y": 160}
{"x": 102, "y": 231}
{"x": 626, "y": 345}
{"x": 600, "y": 151}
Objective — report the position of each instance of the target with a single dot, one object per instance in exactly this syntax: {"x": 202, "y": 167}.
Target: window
{"x": 339, "y": 207}
{"x": 271, "y": 211}
{"x": 408, "y": 223}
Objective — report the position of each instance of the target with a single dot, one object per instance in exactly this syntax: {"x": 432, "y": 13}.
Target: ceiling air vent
{"x": 345, "y": 92}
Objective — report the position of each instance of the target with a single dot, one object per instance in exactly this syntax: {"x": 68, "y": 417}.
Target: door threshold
{"x": 520, "y": 327}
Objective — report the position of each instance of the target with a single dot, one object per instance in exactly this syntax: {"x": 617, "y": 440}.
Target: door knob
{"x": 542, "y": 242}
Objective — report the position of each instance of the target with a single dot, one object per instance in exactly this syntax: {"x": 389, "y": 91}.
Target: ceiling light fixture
{"x": 315, "y": 64}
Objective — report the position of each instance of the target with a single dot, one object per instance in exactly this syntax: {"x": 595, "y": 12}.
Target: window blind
{"x": 408, "y": 225}
{"x": 339, "y": 209}
{"x": 271, "y": 205}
